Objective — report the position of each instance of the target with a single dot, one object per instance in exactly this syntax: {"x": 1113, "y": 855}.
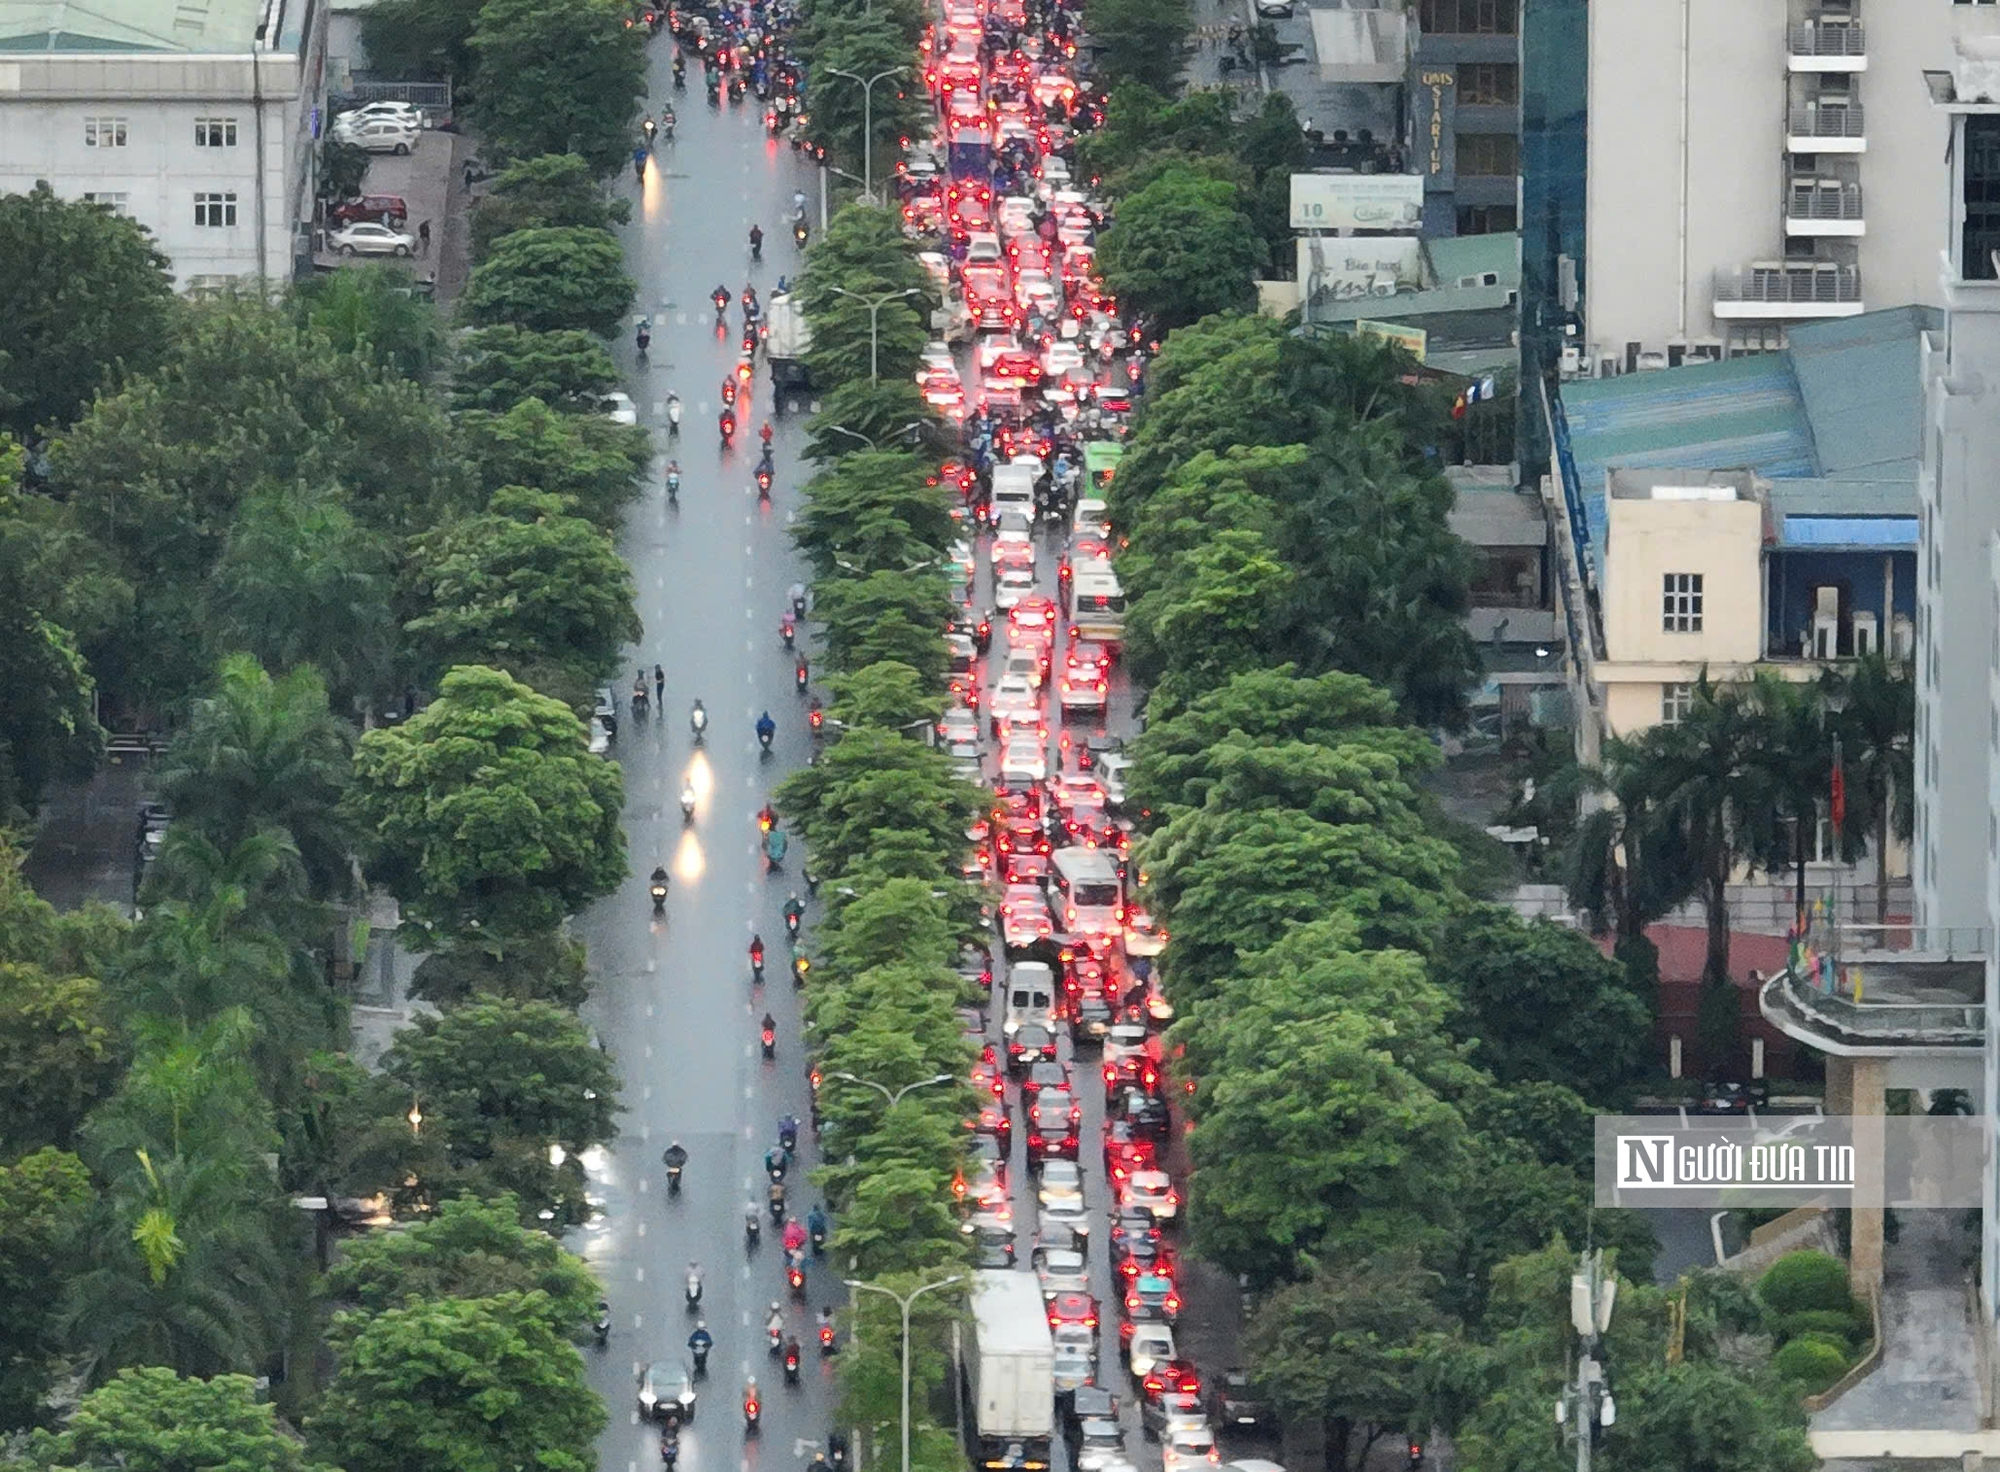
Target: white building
{"x": 1755, "y": 163}
{"x": 198, "y": 118}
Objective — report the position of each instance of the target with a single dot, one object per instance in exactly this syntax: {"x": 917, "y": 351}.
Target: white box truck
{"x": 787, "y": 344}
{"x": 1009, "y": 1374}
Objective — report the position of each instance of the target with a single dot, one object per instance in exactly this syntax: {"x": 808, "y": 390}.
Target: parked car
{"x": 1234, "y": 1404}
{"x": 378, "y": 135}
{"x": 618, "y": 407}
{"x": 366, "y": 238}
{"x": 377, "y": 209}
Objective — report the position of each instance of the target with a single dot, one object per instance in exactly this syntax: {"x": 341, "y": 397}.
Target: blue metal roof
{"x": 1862, "y": 389}
{"x": 1850, "y": 531}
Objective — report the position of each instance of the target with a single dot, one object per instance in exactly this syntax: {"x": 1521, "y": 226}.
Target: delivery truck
{"x": 1008, "y": 1374}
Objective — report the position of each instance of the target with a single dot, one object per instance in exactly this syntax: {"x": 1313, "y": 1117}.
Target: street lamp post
{"x": 867, "y": 85}
{"x": 874, "y": 304}
{"x": 897, "y": 1097}
{"x": 854, "y": 434}
{"x": 904, "y": 1303}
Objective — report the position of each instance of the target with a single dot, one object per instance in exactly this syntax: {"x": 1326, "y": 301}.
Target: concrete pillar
{"x": 1854, "y": 1086}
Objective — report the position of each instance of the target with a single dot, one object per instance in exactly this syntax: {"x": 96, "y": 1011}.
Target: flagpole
{"x": 1838, "y": 808}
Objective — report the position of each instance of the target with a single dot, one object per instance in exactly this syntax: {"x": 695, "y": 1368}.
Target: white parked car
{"x": 407, "y": 113}
{"x": 377, "y": 135}
{"x": 618, "y": 407}
{"x": 367, "y": 238}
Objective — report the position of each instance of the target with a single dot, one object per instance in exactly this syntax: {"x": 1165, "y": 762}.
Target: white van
{"x": 1031, "y": 997}
{"x": 1014, "y": 489}
{"x": 1085, "y": 893}
{"x": 982, "y": 248}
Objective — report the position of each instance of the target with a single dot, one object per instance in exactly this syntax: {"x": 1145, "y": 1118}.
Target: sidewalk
{"x": 431, "y": 181}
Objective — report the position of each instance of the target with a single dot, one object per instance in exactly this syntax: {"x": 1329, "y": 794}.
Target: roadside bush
{"x": 1851, "y": 1329}
{"x": 1802, "y": 1281}
{"x": 1812, "y": 1363}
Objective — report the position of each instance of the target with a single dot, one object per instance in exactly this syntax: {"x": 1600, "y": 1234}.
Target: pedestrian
{"x": 424, "y": 238}
{"x": 468, "y": 176}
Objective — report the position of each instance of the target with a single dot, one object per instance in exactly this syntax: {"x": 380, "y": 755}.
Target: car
{"x": 1151, "y": 1345}
{"x": 374, "y": 209}
{"x": 1018, "y": 833}
{"x": 377, "y": 135}
{"x": 1274, "y": 9}
{"x": 1125, "y": 1151}
{"x": 371, "y": 238}
{"x": 989, "y": 1216}
{"x": 1072, "y": 1308}
{"x": 985, "y": 1185}
{"x": 1069, "y": 1210}
{"x": 1133, "y": 1224}
{"x": 1088, "y": 1403}
{"x": 1171, "y": 1377}
{"x": 1152, "y": 1190}
{"x": 600, "y": 737}
{"x": 1142, "y": 936}
{"x": 992, "y": 1249}
{"x": 1043, "y": 1075}
{"x": 1053, "y": 1121}
{"x": 1082, "y": 691}
{"x": 1072, "y": 1367}
{"x": 1013, "y": 693}
{"x": 667, "y": 1392}
{"x": 961, "y": 561}
{"x": 1232, "y": 1402}
{"x": 1033, "y": 619}
{"x": 1112, "y": 769}
{"x": 1167, "y": 1414}
{"x": 1188, "y": 1448}
{"x": 1060, "y": 356}
{"x": 986, "y": 1078}
{"x": 405, "y": 112}
{"x": 1011, "y": 585}
{"x": 1024, "y": 914}
{"x": 1152, "y": 1296}
{"x": 1061, "y": 1180}
{"x": 1030, "y": 1045}
{"x": 1055, "y": 1237}
{"x": 1025, "y": 661}
{"x": 1147, "y": 1113}
{"x": 618, "y": 407}
{"x": 1013, "y": 548}
{"x": 985, "y": 1150}
{"x": 1099, "y": 1443}
{"x": 1023, "y": 762}
{"x": 1085, "y": 656}
{"x": 1129, "y": 1071}
{"x": 1061, "y": 1270}
{"x": 995, "y": 1122}
{"x": 958, "y": 724}
{"x": 1725, "y": 1095}
{"x": 1090, "y": 1018}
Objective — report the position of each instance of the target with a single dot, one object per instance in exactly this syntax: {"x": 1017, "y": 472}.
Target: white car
{"x": 1152, "y": 1344}
{"x": 1011, "y": 585}
{"x": 962, "y": 560}
{"x": 618, "y": 407}
{"x": 1061, "y": 1270}
{"x": 1023, "y": 762}
{"x": 403, "y": 112}
{"x": 1142, "y": 936}
{"x": 1111, "y": 770}
{"x": 1061, "y": 1180}
{"x": 1059, "y": 357}
{"x": 377, "y": 135}
{"x": 1188, "y": 1448}
{"x": 1014, "y": 693}
{"x": 1020, "y": 725}
{"x": 1068, "y": 1211}
{"x": 367, "y": 238}
{"x": 1013, "y": 547}
{"x": 600, "y": 737}
{"x": 1154, "y": 1190}
{"x": 959, "y": 724}
{"x": 1023, "y": 664}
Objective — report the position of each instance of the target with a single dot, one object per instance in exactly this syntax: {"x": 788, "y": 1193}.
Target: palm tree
{"x": 266, "y": 754}
{"x": 1625, "y": 862}
{"x": 1791, "y": 760}
{"x": 1878, "y": 744}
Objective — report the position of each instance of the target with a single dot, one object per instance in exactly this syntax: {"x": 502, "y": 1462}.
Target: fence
{"x": 1758, "y": 908}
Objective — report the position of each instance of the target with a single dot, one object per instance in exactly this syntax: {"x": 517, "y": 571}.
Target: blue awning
{"x": 1850, "y": 531}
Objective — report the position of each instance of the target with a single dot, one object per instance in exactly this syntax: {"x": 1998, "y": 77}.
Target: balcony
{"x": 1896, "y": 993}
{"x": 1788, "y": 291}
{"x": 1826, "y": 129}
{"x": 1824, "y": 207}
{"x": 1828, "y": 44}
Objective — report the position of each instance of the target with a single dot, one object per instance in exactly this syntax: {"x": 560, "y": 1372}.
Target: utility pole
{"x": 1586, "y": 1407}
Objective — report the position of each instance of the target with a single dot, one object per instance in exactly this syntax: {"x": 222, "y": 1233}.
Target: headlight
{"x": 647, "y": 1398}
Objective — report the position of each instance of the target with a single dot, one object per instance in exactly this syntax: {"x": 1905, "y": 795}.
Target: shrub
{"x": 1812, "y": 1362}
{"x": 1850, "y": 1329}
{"x": 1802, "y": 1281}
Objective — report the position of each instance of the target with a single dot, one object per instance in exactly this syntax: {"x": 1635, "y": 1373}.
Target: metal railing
{"x": 1840, "y": 38}
{"x": 1942, "y": 942}
{"x": 1864, "y": 1024}
{"x": 1785, "y": 284}
{"x": 1816, "y": 201}
{"x": 1827, "y": 122}
{"x": 433, "y": 95}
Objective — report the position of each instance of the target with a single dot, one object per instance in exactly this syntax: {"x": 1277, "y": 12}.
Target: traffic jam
{"x": 1037, "y": 370}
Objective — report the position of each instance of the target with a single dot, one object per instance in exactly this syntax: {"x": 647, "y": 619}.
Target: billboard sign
{"x": 1353, "y": 268}
{"x": 1357, "y": 201}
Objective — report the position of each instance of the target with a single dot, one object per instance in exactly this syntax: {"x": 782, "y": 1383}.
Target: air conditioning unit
{"x": 1572, "y": 362}
{"x": 1705, "y": 350}
{"x": 1867, "y": 635}
{"x": 1826, "y": 622}
{"x": 1607, "y": 367}
{"x": 1902, "y": 637}
{"x": 1650, "y": 362}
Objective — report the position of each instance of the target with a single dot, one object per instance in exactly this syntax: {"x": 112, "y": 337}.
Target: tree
{"x": 59, "y": 1055}
{"x": 549, "y": 280}
{"x": 558, "y": 80}
{"x": 1139, "y": 41}
{"x": 152, "y": 1420}
{"x": 890, "y": 695}
{"x": 301, "y": 582}
{"x": 374, "y": 312}
{"x": 421, "y": 38}
{"x": 863, "y": 252}
{"x": 1542, "y": 1003}
{"x": 48, "y": 720}
{"x": 526, "y": 587}
{"x": 261, "y": 754}
{"x": 87, "y": 299}
{"x": 457, "y": 1385}
{"x": 874, "y": 511}
{"x": 343, "y": 167}
{"x": 875, "y": 787}
{"x": 1878, "y": 741}
{"x": 900, "y": 1221}
{"x": 45, "y": 1198}
{"x": 469, "y": 1249}
{"x": 866, "y": 45}
{"x": 1181, "y": 248}
{"x": 1214, "y": 616}
{"x": 897, "y": 616}
{"x": 594, "y": 464}
{"x": 543, "y": 966}
{"x": 541, "y": 191}
{"x": 883, "y": 414}
{"x": 495, "y": 1069}
{"x": 488, "y": 809}
{"x": 500, "y": 366}
{"x": 1348, "y": 1348}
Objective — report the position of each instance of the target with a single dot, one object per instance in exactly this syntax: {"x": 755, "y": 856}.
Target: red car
{"x": 385, "y": 209}
{"x": 1073, "y": 1308}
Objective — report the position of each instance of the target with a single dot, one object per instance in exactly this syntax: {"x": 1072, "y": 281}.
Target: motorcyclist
{"x": 757, "y": 954}
{"x": 795, "y": 910}
{"x": 775, "y": 1324}
{"x": 699, "y": 1344}
{"x": 766, "y": 728}
{"x": 639, "y": 162}
{"x": 798, "y": 204}
{"x": 816, "y": 1223}
{"x": 775, "y": 1165}
{"x": 795, "y": 1236}
{"x": 698, "y": 718}
{"x": 756, "y": 242}
{"x": 675, "y": 1156}
{"x": 788, "y": 1133}
{"x": 720, "y": 296}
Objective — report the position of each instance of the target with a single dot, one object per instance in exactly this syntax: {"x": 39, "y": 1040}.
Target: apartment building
{"x": 1465, "y": 126}
{"x": 1757, "y": 164}
{"x": 198, "y": 119}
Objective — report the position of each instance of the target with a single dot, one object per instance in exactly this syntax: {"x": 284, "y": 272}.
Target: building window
{"x": 1488, "y": 154}
{"x": 104, "y": 132}
{"x": 1675, "y": 703}
{"x": 1680, "y": 611}
{"x": 116, "y": 203}
{"x": 215, "y": 210}
{"x": 215, "y": 132}
{"x": 1467, "y": 17}
{"x": 1487, "y": 219}
{"x": 1982, "y": 198}
{"x": 1489, "y": 83}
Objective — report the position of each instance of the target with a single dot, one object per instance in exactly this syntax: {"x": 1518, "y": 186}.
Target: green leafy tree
{"x": 1213, "y": 617}
{"x": 457, "y": 1385}
{"x": 152, "y": 1420}
{"x": 871, "y": 1365}
{"x": 1348, "y": 1349}
{"x": 421, "y": 38}
{"x": 890, "y": 695}
{"x": 866, "y": 45}
{"x": 48, "y": 721}
{"x": 900, "y": 615}
{"x": 900, "y": 1221}
{"x": 469, "y": 1249}
{"x": 59, "y": 1055}
{"x": 45, "y": 1198}
{"x": 262, "y": 754}
{"x": 882, "y": 415}
{"x": 875, "y": 784}
{"x": 87, "y": 299}
{"x": 488, "y": 809}
{"x": 863, "y": 254}
{"x": 374, "y": 312}
{"x": 500, "y": 366}
{"x": 301, "y": 582}
{"x": 551, "y": 280}
{"x": 1181, "y": 248}
{"x": 874, "y": 511}
{"x": 1543, "y": 1003}
{"x": 541, "y": 966}
{"x": 558, "y": 80}
{"x": 87, "y": 941}
{"x": 343, "y": 168}
{"x": 1140, "y": 42}
{"x": 594, "y": 464}
{"x": 1878, "y": 764}
{"x": 527, "y": 587}
{"x": 541, "y": 191}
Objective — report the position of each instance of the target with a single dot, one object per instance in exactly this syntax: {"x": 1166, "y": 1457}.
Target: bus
{"x": 1096, "y": 604}
{"x": 1084, "y": 887}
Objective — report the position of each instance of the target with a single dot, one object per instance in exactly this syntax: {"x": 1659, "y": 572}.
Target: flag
{"x": 1838, "y": 803}
{"x": 1477, "y": 391}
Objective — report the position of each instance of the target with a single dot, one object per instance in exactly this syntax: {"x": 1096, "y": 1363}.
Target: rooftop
{"x": 196, "y": 27}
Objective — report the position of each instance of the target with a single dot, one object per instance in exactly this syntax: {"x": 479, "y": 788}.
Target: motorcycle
{"x": 811, "y": 879}
{"x": 680, "y": 74}
{"x": 693, "y": 1291}
{"x": 698, "y": 722}
{"x": 819, "y": 1241}
{"x": 764, "y": 740}
{"x": 777, "y": 1203}
{"x": 602, "y": 1327}
{"x": 800, "y": 966}
{"x": 670, "y": 1447}
{"x": 795, "y": 1279}
{"x": 791, "y": 1364}
{"x": 774, "y": 1329}
{"x": 801, "y": 676}
{"x": 792, "y": 921}
{"x": 828, "y": 1343}
{"x": 727, "y": 424}
{"x": 770, "y": 1037}
{"x": 798, "y": 601}
{"x": 687, "y": 804}
{"x": 815, "y": 719}
{"x": 721, "y": 300}
{"x": 757, "y": 961}
{"x": 788, "y": 631}
{"x": 799, "y": 234}
{"x": 673, "y": 485}
{"x": 658, "y": 890}
{"x": 674, "y": 425}
{"x": 674, "y": 1180}
{"x": 763, "y": 483}
{"x": 753, "y": 1411}
{"x": 774, "y": 851}
{"x": 639, "y": 704}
